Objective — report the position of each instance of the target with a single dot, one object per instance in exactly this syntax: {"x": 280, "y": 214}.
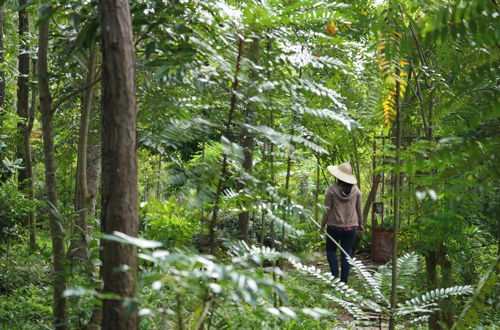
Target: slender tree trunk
{"x": 316, "y": 192}
{"x": 158, "y": 179}
{"x": 446, "y": 313}
{"x": 56, "y": 227}
{"x": 371, "y": 197}
{"x": 2, "y": 73}
{"x": 3, "y": 176}
{"x": 286, "y": 211}
{"x": 263, "y": 211}
{"x": 271, "y": 159}
{"x": 119, "y": 162}
{"x": 93, "y": 184}
{"x": 288, "y": 202}
{"x": 421, "y": 103}
{"x": 79, "y": 251}
{"x": 93, "y": 176}
{"x": 29, "y": 162}
{"x": 248, "y": 140}
{"x": 23, "y": 110}
{"x": 232, "y": 109}
{"x": 356, "y": 158}
{"x": 397, "y": 176}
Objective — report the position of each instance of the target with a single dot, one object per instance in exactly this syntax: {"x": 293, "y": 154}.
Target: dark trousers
{"x": 346, "y": 240}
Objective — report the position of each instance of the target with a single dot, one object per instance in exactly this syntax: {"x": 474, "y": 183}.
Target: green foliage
{"x": 370, "y": 306}
{"x": 198, "y": 289}
{"x": 15, "y": 206}
{"x": 27, "y": 307}
{"x": 476, "y": 306}
{"x": 307, "y": 96}
{"x": 168, "y": 222}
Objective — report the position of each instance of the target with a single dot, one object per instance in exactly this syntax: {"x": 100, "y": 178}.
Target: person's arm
{"x": 328, "y": 210}
{"x": 360, "y": 213}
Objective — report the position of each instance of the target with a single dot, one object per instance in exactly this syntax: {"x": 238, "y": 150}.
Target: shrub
{"x": 14, "y": 207}
{"x": 168, "y": 222}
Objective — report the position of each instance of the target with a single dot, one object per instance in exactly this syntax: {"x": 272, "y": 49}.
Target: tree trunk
{"x": 316, "y": 192}
{"x": 3, "y": 177}
{"x": 23, "y": 125}
{"x": 286, "y": 209}
{"x": 248, "y": 140}
{"x": 93, "y": 176}
{"x": 119, "y": 162}
{"x": 93, "y": 183}
{"x": 446, "y": 312}
{"x": 29, "y": 163}
{"x": 79, "y": 251}
{"x": 232, "y": 109}
{"x": 2, "y": 73}
{"x": 431, "y": 263}
{"x": 355, "y": 157}
{"x": 397, "y": 176}
{"x": 372, "y": 195}
{"x": 56, "y": 227}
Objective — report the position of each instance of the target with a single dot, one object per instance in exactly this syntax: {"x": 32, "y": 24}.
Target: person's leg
{"x": 331, "y": 252}
{"x": 347, "y": 243}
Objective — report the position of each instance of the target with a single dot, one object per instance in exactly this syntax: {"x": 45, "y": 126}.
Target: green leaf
{"x": 125, "y": 239}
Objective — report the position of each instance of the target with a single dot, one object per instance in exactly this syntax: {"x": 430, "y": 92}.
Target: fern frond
{"x": 282, "y": 223}
{"x": 316, "y": 312}
{"x": 283, "y": 140}
{"x": 241, "y": 253}
{"x": 232, "y": 149}
{"x": 407, "y": 264}
{"x": 317, "y": 89}
{"x": 348, "y": 306}
{"x": 433, "y": 295}
{"x": 420, "y": 319}
{"x": 369, "y": 281}
{"x": 334, "y": 282}
{"x": 325, "y": 114}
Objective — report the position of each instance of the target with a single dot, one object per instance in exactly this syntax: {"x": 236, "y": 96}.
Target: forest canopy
{"x": 164, "y": 164}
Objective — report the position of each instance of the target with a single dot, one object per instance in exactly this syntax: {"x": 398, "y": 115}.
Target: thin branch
{"x": 74, "y": 93}
{"x": 480, "y": 89}
{"x": 420, "y": 101}
{"x": 420, "y": 53}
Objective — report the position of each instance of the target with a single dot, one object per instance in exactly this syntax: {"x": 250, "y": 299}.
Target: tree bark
{"x": 119, "y": 162}
{"x": 286, "y": 209}
{"x": 316, "y": 191}
{"x": 371, "y": 196}
{"x": 446, "y": 313}
{"x": 232, "y": 109}
{"x": 56, "y": 227}
{"x": 93, "y": 176}
{"x": 24, "y": 125}
{"x": 79, "y": 251}
{"x": 3, "y": 176}
{"x": 2, "y": 73}
{"x": 355, "y": 157}
{"x": 421, "y": 102}
{"x": 397, "y": 176}
{"x": 29, "y": 162}
{"x": 248, "y": 140}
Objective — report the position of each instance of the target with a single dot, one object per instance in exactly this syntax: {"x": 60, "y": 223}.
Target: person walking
{"x": 342, "y": 218}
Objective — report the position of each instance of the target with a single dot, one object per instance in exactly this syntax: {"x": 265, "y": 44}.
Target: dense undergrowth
{"x": 242, "y": 289}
